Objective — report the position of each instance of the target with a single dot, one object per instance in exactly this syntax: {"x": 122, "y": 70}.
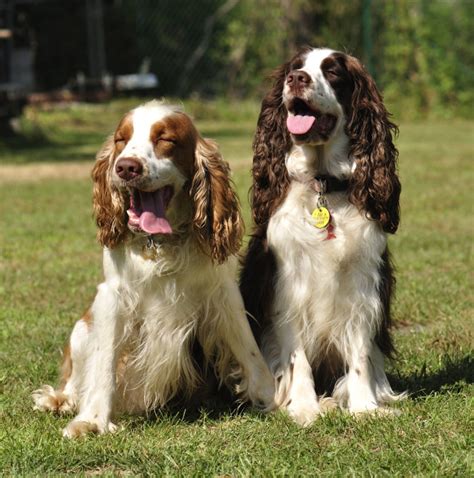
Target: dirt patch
{"x": 38, "y": 172}
{"x": 29, "y": 173}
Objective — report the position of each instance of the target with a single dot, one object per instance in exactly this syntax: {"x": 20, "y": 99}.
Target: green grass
{"x": 73, "y": 133}
{"x": 50, "y": 266}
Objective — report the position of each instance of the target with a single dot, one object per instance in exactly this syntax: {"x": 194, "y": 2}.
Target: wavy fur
{"x": 375, "y": 187}
{"x": 108, "y": 201}
{"x": 169, "y": 314}
{"x": 217, "y": 220}
{"x": 319, "y": 302}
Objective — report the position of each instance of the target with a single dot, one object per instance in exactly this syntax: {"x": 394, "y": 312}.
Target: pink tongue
{"x": 154, "y": 225}
{"x": 299, "y": 124}
{"x": 153, "y": 219}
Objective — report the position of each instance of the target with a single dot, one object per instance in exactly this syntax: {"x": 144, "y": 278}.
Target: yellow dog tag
{"x": 322, "y": 217}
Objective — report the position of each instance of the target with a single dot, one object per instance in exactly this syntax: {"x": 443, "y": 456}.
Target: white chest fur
{"x": 325, "y": 285}
{"x": 163, "y": 303}
{"x": 291, "y": 231}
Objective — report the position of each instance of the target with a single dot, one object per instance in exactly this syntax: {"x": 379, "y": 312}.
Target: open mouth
{"x": 148, "y": 210}
{"x": 302, "y": 119}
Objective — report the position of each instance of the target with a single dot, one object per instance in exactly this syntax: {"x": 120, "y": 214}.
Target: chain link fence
{"x": 227, "y": 47}
{"x": 94, "y": 38}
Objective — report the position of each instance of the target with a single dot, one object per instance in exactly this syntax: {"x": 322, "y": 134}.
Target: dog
{"x": 317, "y": 277}
{"x": 170, "y": 224}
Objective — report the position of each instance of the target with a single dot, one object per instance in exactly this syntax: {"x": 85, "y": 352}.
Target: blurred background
{"x": 419, "y": 51}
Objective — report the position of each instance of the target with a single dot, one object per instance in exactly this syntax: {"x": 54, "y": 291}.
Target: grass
{"x": 73, "y": 133}
{"x": 50, "y": 266}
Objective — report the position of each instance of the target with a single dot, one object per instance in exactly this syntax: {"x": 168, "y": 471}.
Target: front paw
{"x": 259, "y": 390}
{"x": 303, "y": 412}
{"x": 265, "y": 400}
{"x": 78, "y": 428}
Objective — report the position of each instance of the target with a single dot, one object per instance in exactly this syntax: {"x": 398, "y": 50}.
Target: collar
{"x": 328, "y": 184}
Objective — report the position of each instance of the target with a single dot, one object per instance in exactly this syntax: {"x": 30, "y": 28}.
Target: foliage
{"x": 425, "y": 58}
{"x": 422, "y": 49}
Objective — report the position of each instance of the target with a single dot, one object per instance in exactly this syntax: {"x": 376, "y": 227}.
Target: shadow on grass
{"x": 215, "y": 407}
{"x": 451, "y": 377}
{"x": 32, "y": 142}
{"x": 37, "y": 148}
{"x": 12, "y": 139}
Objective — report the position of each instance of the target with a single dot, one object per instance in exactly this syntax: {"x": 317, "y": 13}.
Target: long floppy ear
{"x": 108, "y": 202}
{"x": 217, "y": 220}
{"x": 374, "y": 187}
{"x": 271, "y": 143}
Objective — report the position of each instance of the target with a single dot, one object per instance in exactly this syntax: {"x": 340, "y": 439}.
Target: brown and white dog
{"x": 317, "y": 277}
{"x": 170, "y": 278}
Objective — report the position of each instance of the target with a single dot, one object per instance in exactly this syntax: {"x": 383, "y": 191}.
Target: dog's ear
{"x": 108, "y": 201}
{"x": 217, "y": 220}
{"x": 271, "y": 143}
{"x": 375, "y": 187}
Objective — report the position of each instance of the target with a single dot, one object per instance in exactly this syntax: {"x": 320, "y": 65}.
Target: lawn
{"x": 50, "y": 266}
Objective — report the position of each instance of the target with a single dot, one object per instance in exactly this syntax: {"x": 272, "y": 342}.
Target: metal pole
{"x": 9, "y": 19}
{"x": 95, "y": 39}
{"x": 367, "y": 35}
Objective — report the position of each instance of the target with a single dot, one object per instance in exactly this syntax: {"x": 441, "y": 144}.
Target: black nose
{"x": 298, "y": 79}
{"x": 128, "y": 168}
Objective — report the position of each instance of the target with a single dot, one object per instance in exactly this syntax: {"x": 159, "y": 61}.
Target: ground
{"x": 50, "y": 266}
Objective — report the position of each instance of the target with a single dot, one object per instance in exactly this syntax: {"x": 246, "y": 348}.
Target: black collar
{"x": 328, "y": 184}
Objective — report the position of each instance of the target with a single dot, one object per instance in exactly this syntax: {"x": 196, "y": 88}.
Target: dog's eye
{"x": 119, "y": 141}
{"x": 166, "y": 139}
{"x": 332, "y": 72}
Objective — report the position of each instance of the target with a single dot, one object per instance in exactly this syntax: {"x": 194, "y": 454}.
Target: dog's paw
{"x": 327, "y": 404}
{"x": 51, "y": 400}
{"x": 260, "y": 391}
{"x": 79, "y": 428}
{"x": 304, "y": 413}
{"x": 263, "y": 397}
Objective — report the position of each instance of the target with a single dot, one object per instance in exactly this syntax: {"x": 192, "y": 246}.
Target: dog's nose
{"x": 128, "y": 168}
{"x": 298, "y": 79}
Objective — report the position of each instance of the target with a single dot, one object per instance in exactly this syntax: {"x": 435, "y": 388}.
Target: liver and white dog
{"x": 317, "y": 277}
{"x": 170, "y": 224}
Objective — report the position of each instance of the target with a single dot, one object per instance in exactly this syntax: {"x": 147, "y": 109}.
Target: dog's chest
{"x": 348, "y": 239}
{"x": 157, "y": 285}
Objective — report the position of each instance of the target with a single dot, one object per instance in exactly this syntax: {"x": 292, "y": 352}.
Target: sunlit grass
{"x": 50, "y": 266}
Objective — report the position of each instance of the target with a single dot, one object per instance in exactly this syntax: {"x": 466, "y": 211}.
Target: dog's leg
{"x": 95, "y": 405}
{"x": 258, "y": 383}
{"x": 365, "y": 388}
{"x": 361, "y": 378}
{"x": 296, "y": 386}
{"x": 65, "y": 398}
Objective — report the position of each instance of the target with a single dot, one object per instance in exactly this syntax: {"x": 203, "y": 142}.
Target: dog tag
{"x": 322, "y": 217}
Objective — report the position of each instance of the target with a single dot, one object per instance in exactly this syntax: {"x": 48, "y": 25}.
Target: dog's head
{"x": 318, "y": 97}
{"x": 156, "y": 174}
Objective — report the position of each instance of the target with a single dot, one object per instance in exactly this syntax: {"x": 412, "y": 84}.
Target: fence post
{"x": 367, "y": 34}
{"x": 95, "y": 39}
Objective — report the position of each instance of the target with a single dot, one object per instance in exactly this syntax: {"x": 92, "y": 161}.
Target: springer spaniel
{"x": 317, "y": 276}
{"x": 170, "y": 278}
